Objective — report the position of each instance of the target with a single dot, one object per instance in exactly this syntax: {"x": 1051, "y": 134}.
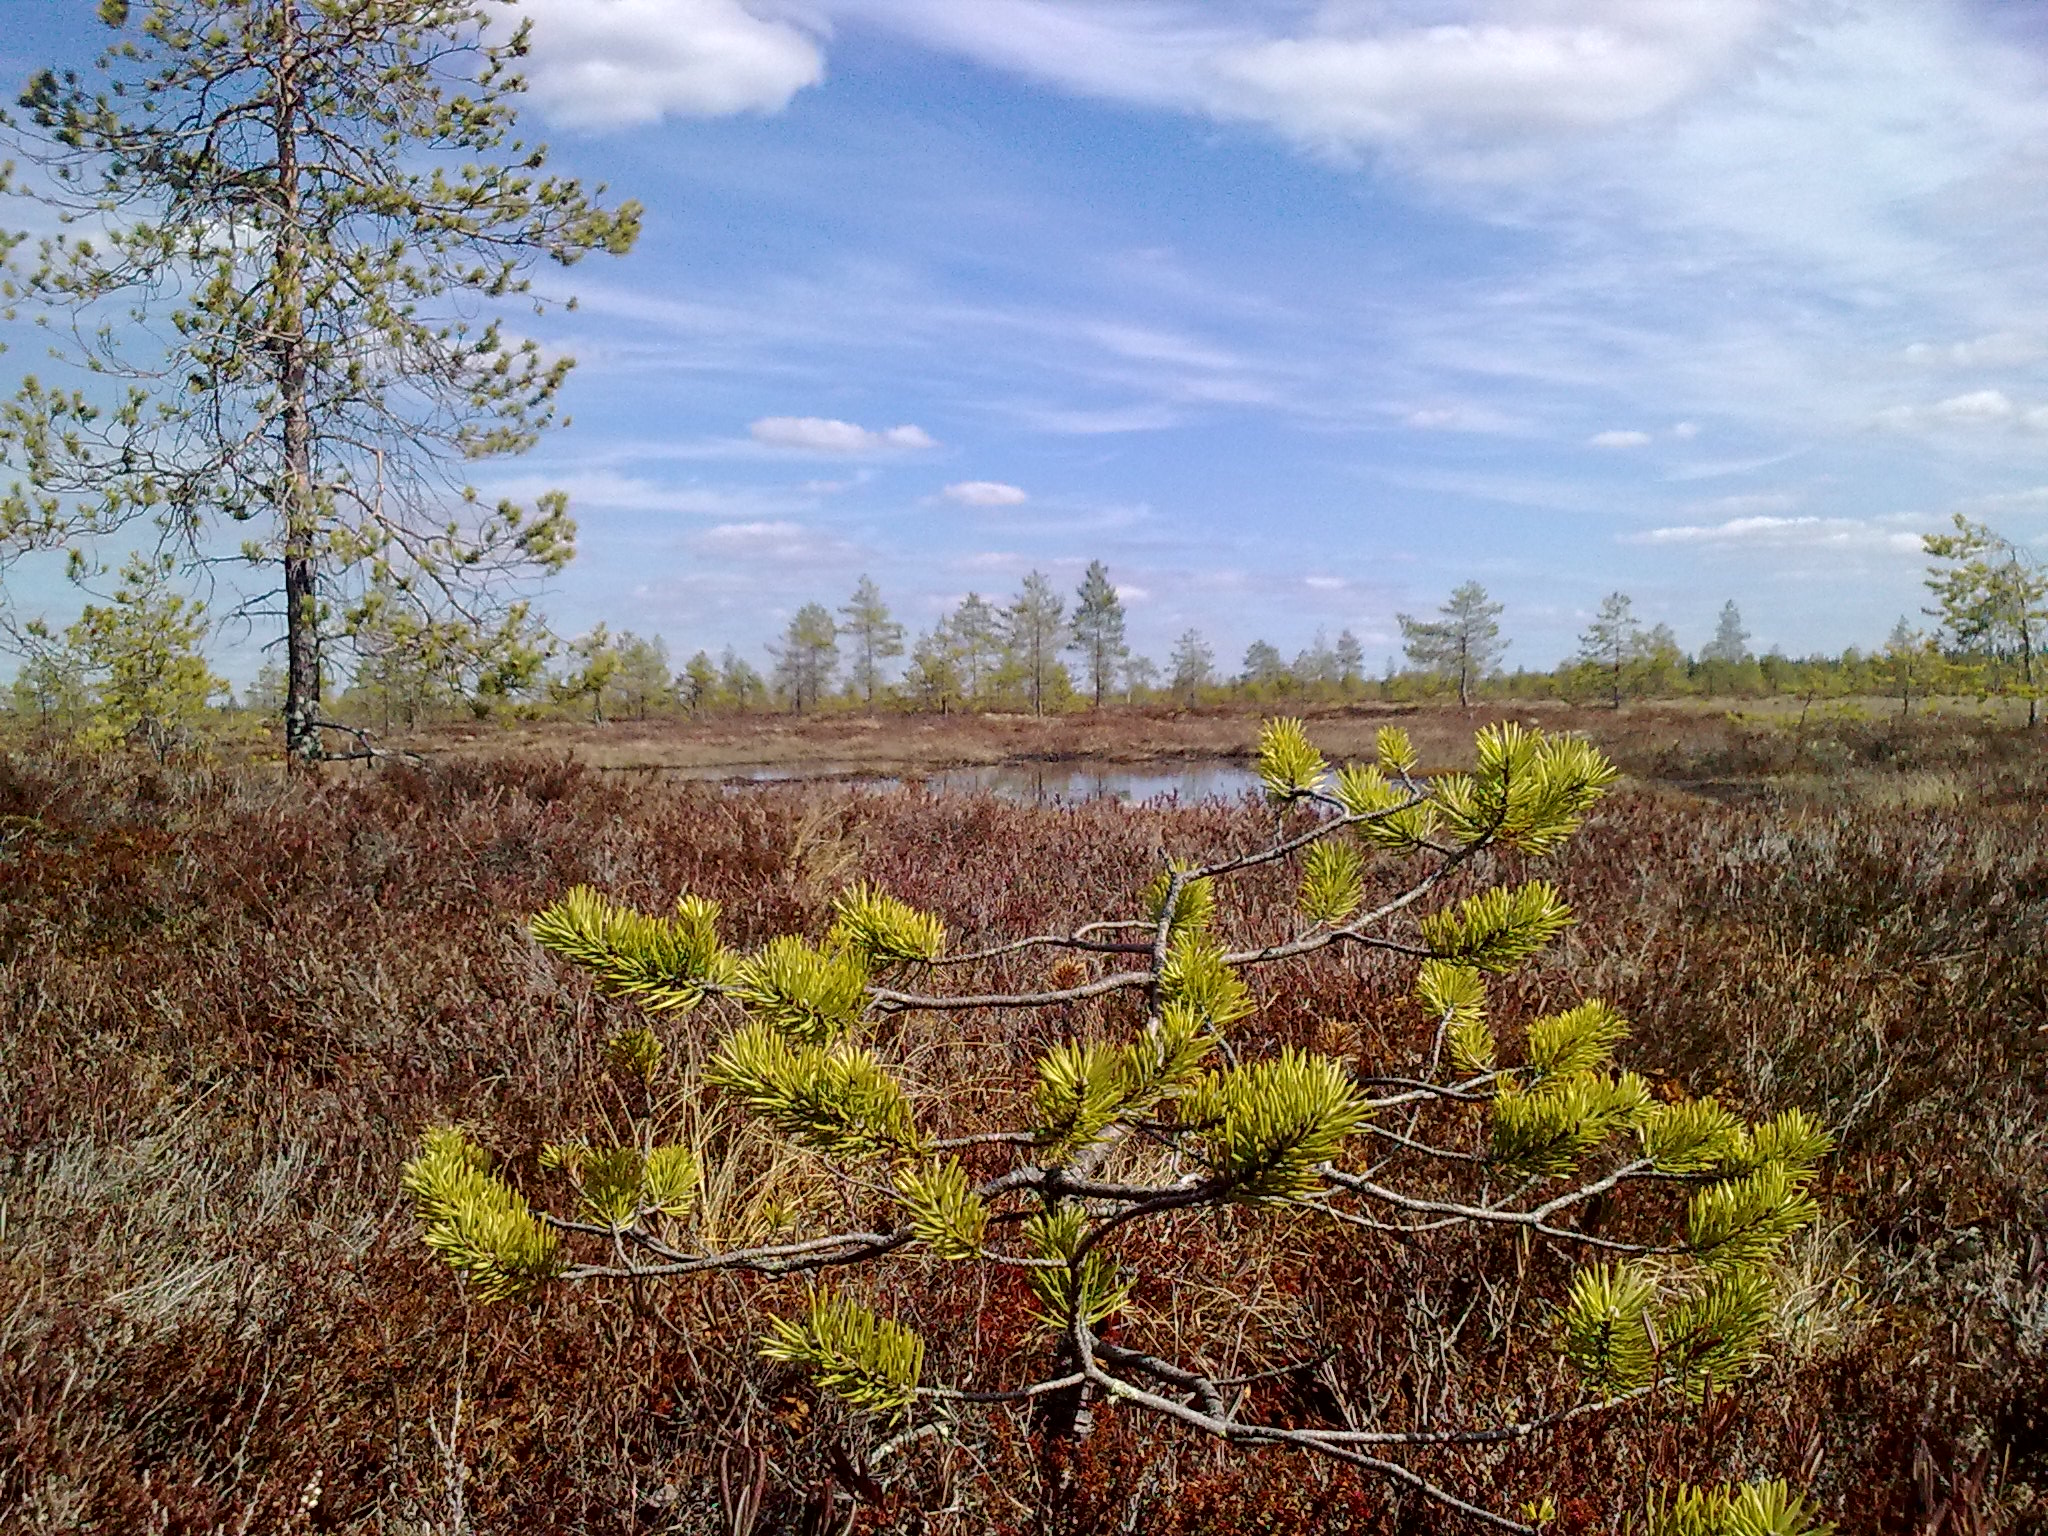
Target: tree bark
{"x": 299, "y": 516}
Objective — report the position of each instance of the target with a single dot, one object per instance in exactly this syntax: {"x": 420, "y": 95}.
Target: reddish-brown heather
{"x": 229, "y": 1001}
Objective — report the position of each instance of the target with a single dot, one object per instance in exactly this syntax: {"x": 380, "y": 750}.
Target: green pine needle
{"x": 1604, "y": 1327}
{"x": 1455, "y": 995}
{"x": 837, "y": 1100}
{"x": 1197, "y": 976}
{"x": 1577, "y": 1041}
{"x": 882, "y": 930}
{"x": 1497, "y": 929}
{"x": 948, "y": 1217}
{"x": 1332, "y": 882}
{"x": 1067, "y": 1287}
{"x": 811, "y": 996}
{"x": 1288, "y": 763}
{"x": 666, "y": 965}
{"x": 479, "y": 1224}
{"x": 868, "y": 1361}
{"x": 1265, "y": 1127}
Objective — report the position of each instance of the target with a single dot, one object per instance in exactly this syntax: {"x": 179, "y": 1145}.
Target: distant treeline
{"x": 132, "y": 669}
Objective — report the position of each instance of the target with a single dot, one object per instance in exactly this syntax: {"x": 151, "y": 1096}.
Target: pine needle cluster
{"x": 1539, "y": 1116}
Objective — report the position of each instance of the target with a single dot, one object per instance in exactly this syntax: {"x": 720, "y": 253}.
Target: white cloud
{"x": 776, "y": 543}
{"x": 1618, "y": 439}
{"x": 1999, "y": 349}
{"x": 819, "y": 434}
{"x": 1504, "y": 72}
{"x": 1685, "y": 431}
{"x": 1789, "y": 532}
{"x": 1464, "y": 417}
{"x": 602, "y": 64}
{"x": 1128, "y": 593}
{"x": 1470, "y": 74}
{"x": 985, "y": 493}
{"x": 1325, "y": 583}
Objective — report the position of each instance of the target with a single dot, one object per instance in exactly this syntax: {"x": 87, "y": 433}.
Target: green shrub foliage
{"x": 1671, "y": 1213}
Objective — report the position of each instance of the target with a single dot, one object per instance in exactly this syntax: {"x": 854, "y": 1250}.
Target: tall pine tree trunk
{"x": 300, "y": 517}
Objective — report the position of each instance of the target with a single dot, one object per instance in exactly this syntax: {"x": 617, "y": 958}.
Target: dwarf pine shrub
{"x": 1670, "y": 1214}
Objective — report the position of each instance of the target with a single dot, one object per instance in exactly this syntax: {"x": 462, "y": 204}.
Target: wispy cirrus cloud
{"x": 1763, "y": 530}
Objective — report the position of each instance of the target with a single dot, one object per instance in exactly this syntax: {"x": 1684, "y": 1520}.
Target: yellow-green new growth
{"x": 1266, "y": 1127}
{"x": 1288, "y": 763}
{"x": 1332, "y": 882}
{"x": 478, "y": 1223}
{"x": 665, "y": 964}
{"x": 1363, "y": 790}
{"x": 1714, "y": 1335}
{"x": 1549, "y": 1129}
{"x": 1455, "y": 995}
{"x": 1529, "y": 791}
{"x": 1577, "y": 1041}
{"x": 1194, "y": 909}
{"x": 868, "y": 1361}
{"x": 1696, "y": 1136}
{"x": 1067, "y": 1286}
{"x": 619, "y": 1185}
{"x": 1083, "y": 1088}
{"x": 836, "y": 1100}
{"x": 1604, "y": 1328}
{"x": 1745, "y": 1220}
{"x": 1760, "y": 1509}
{"x": 1197, "y": 976}
{"x": 809, "y": 995}
{"x": 948, "y": 1217}
{"x": 1498, "y": 929}
{"x": 882, "y": 930}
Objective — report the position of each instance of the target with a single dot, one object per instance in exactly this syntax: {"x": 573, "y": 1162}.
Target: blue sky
{"x": 1295, "y": 314}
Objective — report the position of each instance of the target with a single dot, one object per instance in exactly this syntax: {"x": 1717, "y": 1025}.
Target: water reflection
{"x": 1047, "y": 783}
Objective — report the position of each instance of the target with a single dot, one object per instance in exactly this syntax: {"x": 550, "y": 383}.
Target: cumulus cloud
{"x": 1504, "y": 72}
{"x": 603, "y": 64}
{"x": 1618, "y": 439}
{"x": 1685, "y": 431}
{"x": 985, "y": 493}
{"x": 820, "y": 434}
{"x": 1788, "y": 532}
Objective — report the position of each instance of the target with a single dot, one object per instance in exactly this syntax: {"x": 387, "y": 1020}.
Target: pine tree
{"x": 1656, "y": 1230}
{"x": 739, "y": 683}
{"x": 1730, "y": 644}
{"x": 976, "y": 631}
{"x": 594, "y": 664}
{"x": 1098, "y": 629}
{"x": 1462, "y": 643}
{"x": 1265, "y": 669}
{"x": 872, "y": 637}
{"x": 304, "y": 204}
{"x": 1990, "y": 601}
{"x": 807, "y": 657}
{"x": 1193, "y": 665}
{"x": 1350, "y": 662}
{"x": 699, "y": 683}
{"x": 137, "y": 658}
{"x": 935, "y": 679}
{"x": 1032, "y": 631}
{"x": 1613, "y": 641}
{"x": 642, "y": 679}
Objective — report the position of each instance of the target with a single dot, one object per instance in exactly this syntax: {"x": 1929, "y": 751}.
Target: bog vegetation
{"x": 236, "y": 1001}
